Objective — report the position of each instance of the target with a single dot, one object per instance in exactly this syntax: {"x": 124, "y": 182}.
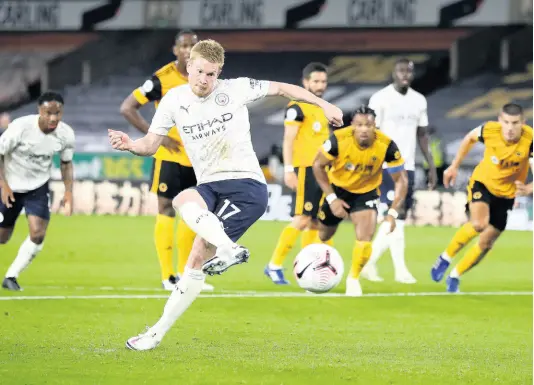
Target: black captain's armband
{"x": 151, "y": 88}
{"x": 294, "y": 114}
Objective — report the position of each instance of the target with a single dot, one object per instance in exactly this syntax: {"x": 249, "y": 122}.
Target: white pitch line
{"x": 264, "y": 295}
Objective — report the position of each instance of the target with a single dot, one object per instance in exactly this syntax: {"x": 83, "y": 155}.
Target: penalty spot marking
{"x": 264, "y": 295}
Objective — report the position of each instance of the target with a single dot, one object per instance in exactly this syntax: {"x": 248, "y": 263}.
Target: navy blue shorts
{"x": 35, "y": 202}
{"x": 387, "y": 191}
{"x": 237, "y": 202}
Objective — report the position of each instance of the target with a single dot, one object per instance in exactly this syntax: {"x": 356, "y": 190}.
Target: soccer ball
{"x": 318, "y": 268}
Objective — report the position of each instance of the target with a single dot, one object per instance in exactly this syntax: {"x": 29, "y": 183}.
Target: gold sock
{"x": 309, "y": 236}
{"x": 462, "y": 237}
{"x": 285, "y": 244}
{"x": 473, "y": 256}
{"x": 184, "y": 239}
{"x": 360, "y": 255}
{"x": 163, "y": 238}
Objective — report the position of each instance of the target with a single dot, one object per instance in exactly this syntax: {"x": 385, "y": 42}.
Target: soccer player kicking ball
{"x": 494, "y": 184}
{"x": 26, "y": 150}
{"x": 213, "y": 122}
{"x": 355, "y": 155}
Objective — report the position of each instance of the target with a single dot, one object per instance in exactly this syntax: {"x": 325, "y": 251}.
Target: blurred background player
{"x": 305, "y": 129}
{"x": 493, "y": 186}
{"x": 355, "y": 155}
{"x": 172, "y": 171}
{"x": 401, "y": 113}
{"x": 26, "y": 151}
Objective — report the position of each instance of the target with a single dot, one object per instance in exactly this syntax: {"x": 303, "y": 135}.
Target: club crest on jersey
{"x": 494, "y": 160}
{"x": 350, "y": 167}
{"x": 222, "y": 99}
{"x": 316, "y": 126}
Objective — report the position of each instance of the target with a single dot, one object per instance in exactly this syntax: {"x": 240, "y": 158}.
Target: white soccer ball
{"x": 318, "y": 268}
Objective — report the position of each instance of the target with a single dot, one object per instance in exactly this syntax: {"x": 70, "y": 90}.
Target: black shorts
{"x": 306, "y": 200}
{"x": 499, "y": 207}
{"x": 387, "y": 192}
{"x": 35, "y": 202}
{"x": 357, "y": 202}
{"x": 171, "y": 178}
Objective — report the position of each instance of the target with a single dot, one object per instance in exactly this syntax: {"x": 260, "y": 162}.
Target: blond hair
{"x": 210, "y": 50}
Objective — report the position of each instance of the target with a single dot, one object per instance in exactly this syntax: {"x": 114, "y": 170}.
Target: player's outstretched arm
{"x": 449, "y": 176}
{"x": 293, "y": 92}
{"x": 146, "y": 146}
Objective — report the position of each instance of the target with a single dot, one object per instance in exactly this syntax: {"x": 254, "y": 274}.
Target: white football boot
{"x": 353, "y": 287}
{"x": 144, "y": 341}
{"x": 225, "y": 257}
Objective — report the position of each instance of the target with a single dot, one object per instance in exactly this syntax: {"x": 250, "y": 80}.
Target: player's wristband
{"x": 289, "y": 169}
{"x": 330, "y": 198}
{"x": 393, "y": 213}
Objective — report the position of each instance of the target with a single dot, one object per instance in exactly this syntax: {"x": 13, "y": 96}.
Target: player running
{"x": 231, "y": 195}
{"x": 355, "y": 155}
{"x": 401, "y": 113}
{"x": 305, "y": 129}
{"x": 26, "y": 151}
{"x": 172, "y": 171}
{"x": 496, "y": 181}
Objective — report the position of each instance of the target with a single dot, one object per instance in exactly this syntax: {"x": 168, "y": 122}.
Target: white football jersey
{"x": 215, "y": 130}
{"x": 28, "y": 152}
{"x": 398, "y": 116}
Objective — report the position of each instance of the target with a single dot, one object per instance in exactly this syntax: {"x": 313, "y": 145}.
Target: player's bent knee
{"x": 37, "y": 238}
{"x": 188, "y": 196}
{"x": 480, "y": 225}
{"x": 5, "y": 234}
{"x": 301, "y": 222}
{"x": 326, "y": 233}
{"x": 165, "y": 207}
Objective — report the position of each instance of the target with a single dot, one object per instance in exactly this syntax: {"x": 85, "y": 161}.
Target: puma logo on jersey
{"x": 186, "y": 109}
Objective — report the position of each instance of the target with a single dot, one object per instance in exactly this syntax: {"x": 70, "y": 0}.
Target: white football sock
{"x": 27, "y": 252}
{"x": 454, "y": 273}
{"x": 446, "y": 256}
{"x": 187, "y": 290}
{"x": 204, "y": 223}
{"x": 380, "y": 243}
{"x": 397, "y": 246}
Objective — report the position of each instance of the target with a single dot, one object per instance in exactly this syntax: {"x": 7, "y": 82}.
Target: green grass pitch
{"x": 95, "y": 267}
